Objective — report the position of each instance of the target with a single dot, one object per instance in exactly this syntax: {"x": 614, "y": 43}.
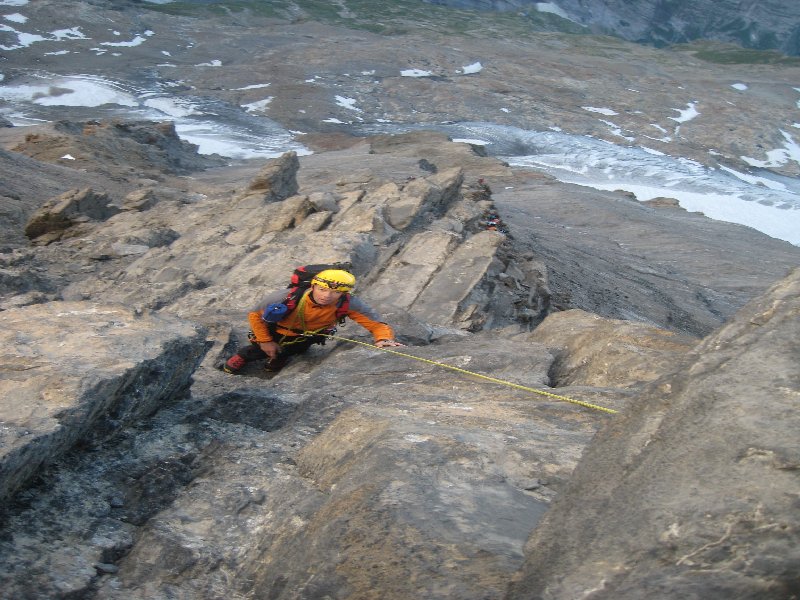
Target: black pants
{"x": 291, "y": 345}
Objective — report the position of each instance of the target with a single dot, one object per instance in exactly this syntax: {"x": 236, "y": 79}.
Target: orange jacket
{"x": 317, "y": 318}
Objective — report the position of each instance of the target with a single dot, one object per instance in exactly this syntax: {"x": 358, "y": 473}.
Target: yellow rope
{"x": 485, "y": 377}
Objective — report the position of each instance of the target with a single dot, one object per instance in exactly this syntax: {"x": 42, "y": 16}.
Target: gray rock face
{"x": 352, "y": 470}
{"x": 59, "y": 214}
{"x": 591, "y": 350}
{"x": 769, "y": 25}
{"x": 111, "y": 145}
{"x": 415, "y": 472}
{"x": 405, "y": 480}
{"x": 692, "y": 490}
{"x": 617, "y": 271}
{"x": 29, "y": 183}
{"x": 73, "y": 371}
{"x": 276, "y": 181}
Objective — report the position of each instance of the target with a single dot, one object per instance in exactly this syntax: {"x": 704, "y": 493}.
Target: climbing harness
{"x": 304, "y": 334}
{"x": 484, "y": 377}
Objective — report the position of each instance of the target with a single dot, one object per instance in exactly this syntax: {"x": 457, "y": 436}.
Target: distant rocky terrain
{"x": 759, "y": 25}
{"x": 636, "y": 436}
{"x": 309, "y": 58}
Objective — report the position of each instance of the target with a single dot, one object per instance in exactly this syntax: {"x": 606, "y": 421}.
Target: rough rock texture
{"x": 353, "y": 473}
{"x": 55, "y": 216}
{"x": 411, "y": 492}
{"x": 276, "y": 181}
{"x": 113, "y": 145}
{"x": 618, "y": 270}
{"x": 767, "y": 25}
{"x": 28, "y": 183}
{"x": 693, "y": 492}
{"x": 356, "y": 473}
{"x": 72, "y": 371}
{"x": 110, "y": 159}
{"x": 601, "y": 352}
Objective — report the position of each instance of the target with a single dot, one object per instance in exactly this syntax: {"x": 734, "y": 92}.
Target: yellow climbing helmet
{"x": 335, "y": 279}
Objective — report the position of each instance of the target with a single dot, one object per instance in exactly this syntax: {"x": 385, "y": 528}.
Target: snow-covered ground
{"x": 762, "y": 201}
{"x": 217, "y": 128}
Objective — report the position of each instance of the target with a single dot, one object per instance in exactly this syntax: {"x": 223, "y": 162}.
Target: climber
{"x": 284, "y": 325}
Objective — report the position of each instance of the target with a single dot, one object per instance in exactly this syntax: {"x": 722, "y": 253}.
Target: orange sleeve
{"x": 259, "y": 327}
{"x": 379, "y": 330}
